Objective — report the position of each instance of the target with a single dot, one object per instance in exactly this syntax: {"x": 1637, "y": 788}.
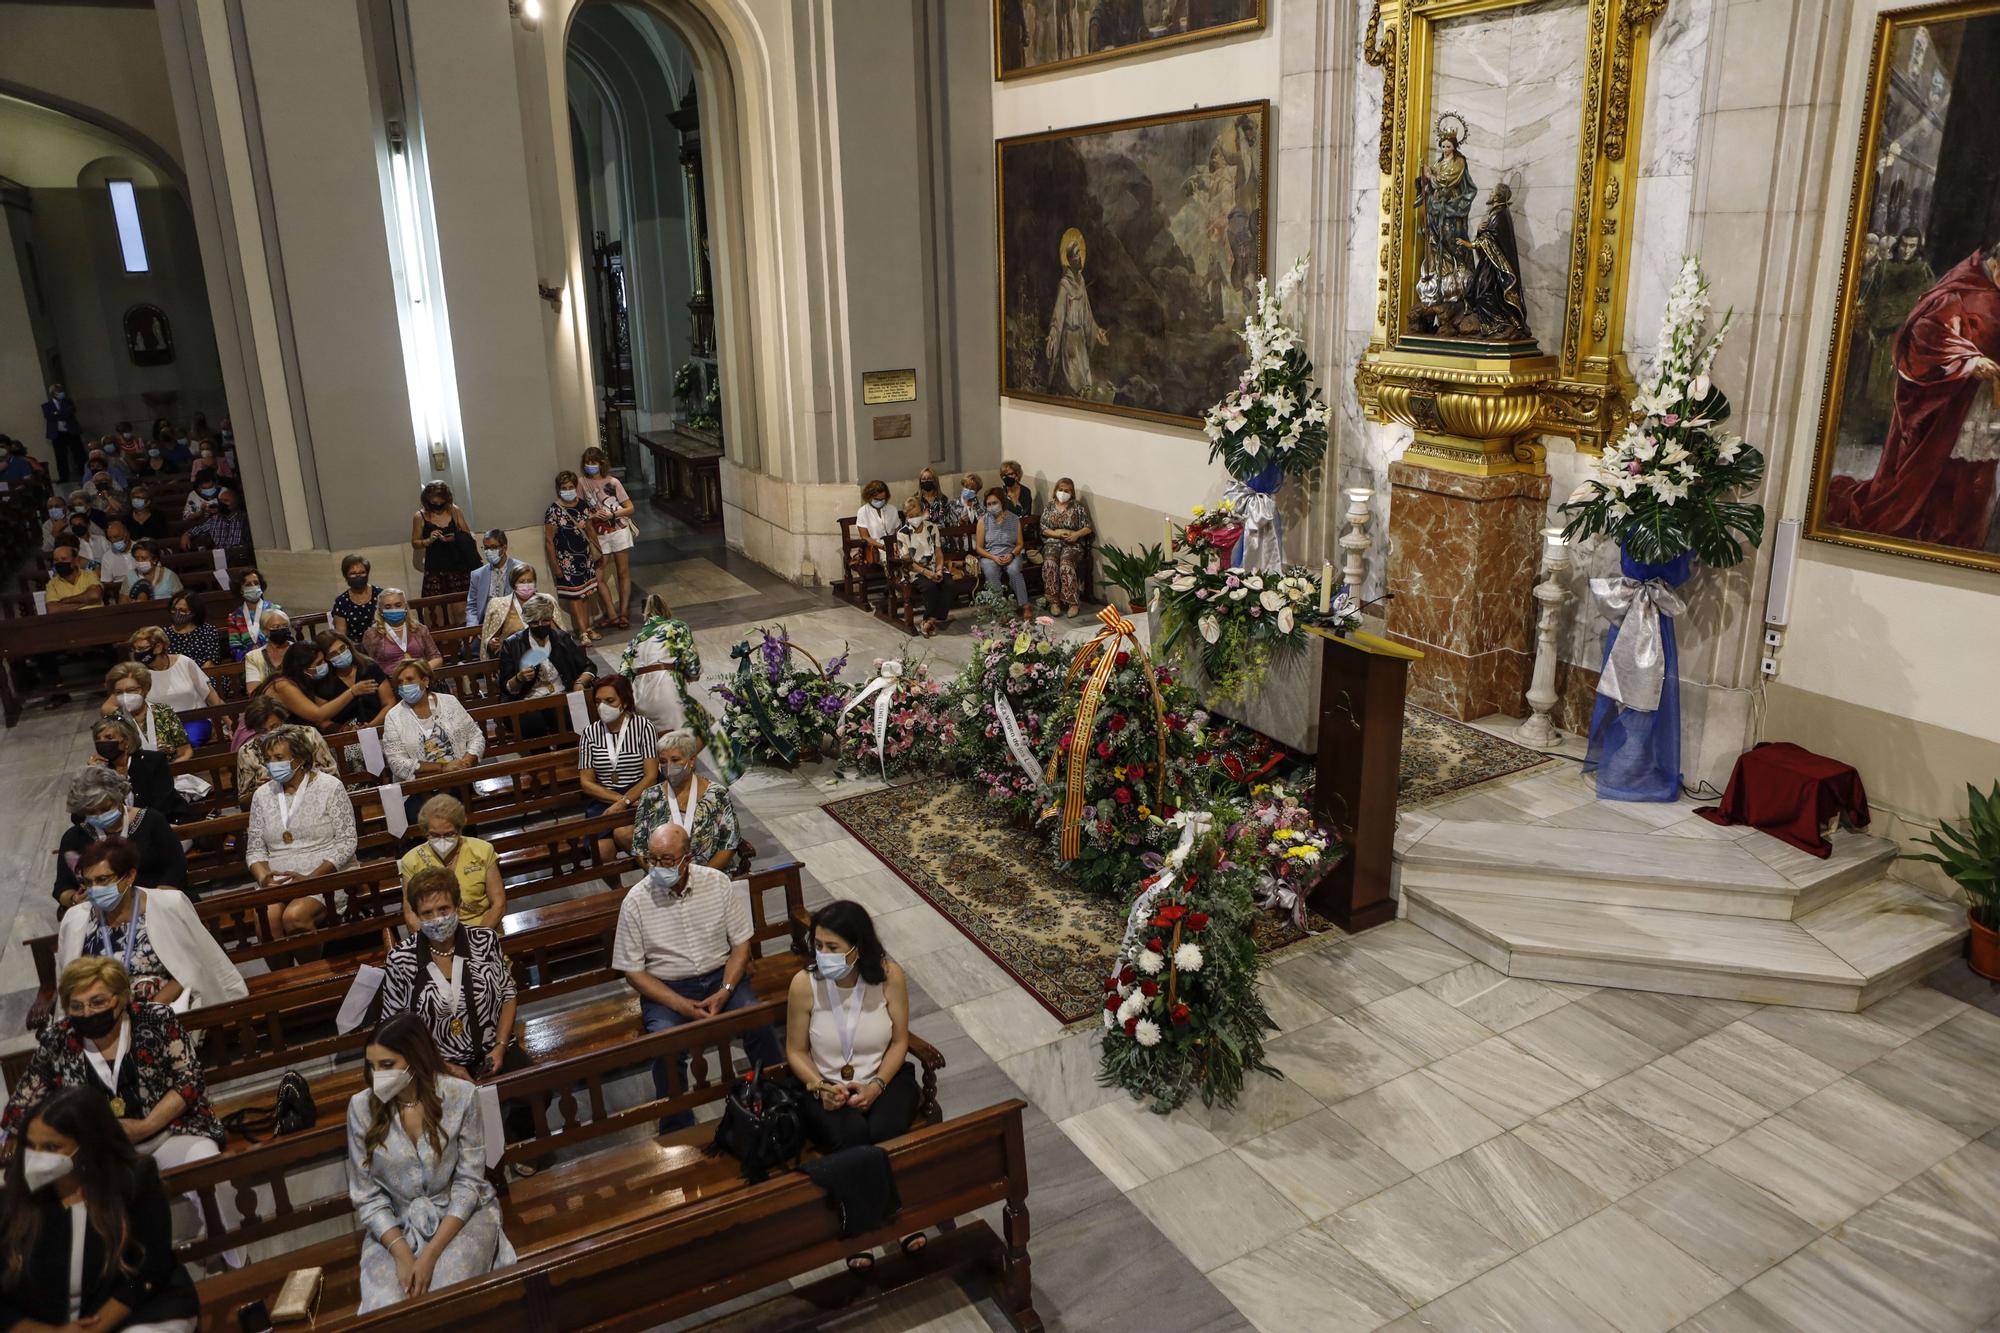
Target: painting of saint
{"x": 1129, "y": 259}
{"x": 1910, "y": 431}
{"x": 1031, "y": 36}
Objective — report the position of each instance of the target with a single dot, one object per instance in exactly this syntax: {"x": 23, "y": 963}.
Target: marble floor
{"x": 1446, "y": 1148}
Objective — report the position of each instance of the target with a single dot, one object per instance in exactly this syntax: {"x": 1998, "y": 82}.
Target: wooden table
{"x": 687, "y": 474}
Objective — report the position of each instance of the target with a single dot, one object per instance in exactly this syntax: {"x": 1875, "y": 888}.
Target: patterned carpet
{"x": 998, "y": 885}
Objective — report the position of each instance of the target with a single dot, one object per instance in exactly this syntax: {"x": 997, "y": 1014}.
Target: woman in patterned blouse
{"x": 452, "y": 976}
{"x": 190, "y": 634}
{"x": 354, "y": 609}
{"x": 663, "y": 665}
{"x": 128, "y": 689}
{"x": 698, "y": 804}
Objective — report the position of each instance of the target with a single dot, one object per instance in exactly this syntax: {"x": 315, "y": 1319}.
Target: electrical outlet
{"x": 1769, "y": 666}
{"x": 1773, "y": 638}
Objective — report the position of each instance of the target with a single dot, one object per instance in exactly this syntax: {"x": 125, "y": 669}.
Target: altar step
{"x": 1684, "y": 916}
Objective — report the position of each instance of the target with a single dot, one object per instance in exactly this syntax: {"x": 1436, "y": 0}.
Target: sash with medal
{"x": 847, "y": 1022}
{"x": 285, "y": 806}
{"x": 115, "y": 1074}
{"x": 683, "y": 817}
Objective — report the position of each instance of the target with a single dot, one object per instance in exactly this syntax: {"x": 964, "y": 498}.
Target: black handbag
{"x": 761, "y": 1126}
{"x": 293, "y": 1111}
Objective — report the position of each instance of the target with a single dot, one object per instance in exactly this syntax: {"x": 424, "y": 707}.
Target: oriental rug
{"x": 998, "y": 885}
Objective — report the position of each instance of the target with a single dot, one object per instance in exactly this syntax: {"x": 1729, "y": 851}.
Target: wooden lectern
{"x": 1359, "y": 773}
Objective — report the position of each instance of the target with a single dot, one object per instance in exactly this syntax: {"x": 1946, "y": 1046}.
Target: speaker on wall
{"x": 1784, "y": 560}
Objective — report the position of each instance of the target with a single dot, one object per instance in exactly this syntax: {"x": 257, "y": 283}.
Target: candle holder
{"x": 1538, "y": 732}
{"x": 1360, "y": 512}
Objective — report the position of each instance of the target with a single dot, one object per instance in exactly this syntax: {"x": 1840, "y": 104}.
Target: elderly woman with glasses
{"x": 697, "y": 804}
{"x": 167, "y": 951}
{"x": 99, "y": 807}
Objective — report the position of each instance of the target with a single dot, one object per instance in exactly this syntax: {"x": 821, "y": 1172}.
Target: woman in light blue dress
{"x": 416, "y": 1172}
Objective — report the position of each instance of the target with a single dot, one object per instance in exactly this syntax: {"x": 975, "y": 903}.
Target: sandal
{"x": 623, "y": 622}
{"x": 914, "y": 1243}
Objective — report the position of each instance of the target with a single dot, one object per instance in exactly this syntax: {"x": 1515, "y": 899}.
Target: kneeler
{"x": 1790, "y": 793}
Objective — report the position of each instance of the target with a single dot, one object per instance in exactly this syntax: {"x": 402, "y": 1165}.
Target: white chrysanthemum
{"x": 1187, "y": 958}
{"x": 1150, "y": 962}
{"x": 1146, "y": 1032}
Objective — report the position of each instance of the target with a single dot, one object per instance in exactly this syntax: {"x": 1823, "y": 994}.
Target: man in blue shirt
{"x": 496, "y": 571}
{"x": 16, "y": 469}
{"x": 59, "y": 426}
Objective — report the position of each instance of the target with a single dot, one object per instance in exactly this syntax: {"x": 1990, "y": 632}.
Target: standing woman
{"x": 190, "y": 635}
{"x": 1065, "y": 527}
{"x": 416, "y": 1172}
{"x": 610, "y": 518}
{"x": 395, "y": 636}
{"x": 354, "y": 609}
{"x": 663, "y": 665}
{"x": 443, "y": 543}
{"x": 86, "y": 1236}
{"x": 572, "y": 552}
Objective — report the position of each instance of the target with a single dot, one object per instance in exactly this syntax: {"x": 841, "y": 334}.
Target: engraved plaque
{"x": 888, "y": 386}
{"x": 893, "y": 427}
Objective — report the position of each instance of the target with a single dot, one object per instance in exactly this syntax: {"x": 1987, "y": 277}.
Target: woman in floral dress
{"x": 698, "y": 804}
{"x": 1065, "y": 526}
{"x": 572, "y": 552}
{"x": 663, "y": 666}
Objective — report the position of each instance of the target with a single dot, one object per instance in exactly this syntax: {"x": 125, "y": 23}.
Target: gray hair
{"x": 681, "y": 741}
{"x": 273, "y": 617}
{"x": 118, "y": 723}
{"x": 94, "y": 786}
{"x": 293, "y": 737}
{"x": 539, "y": 609}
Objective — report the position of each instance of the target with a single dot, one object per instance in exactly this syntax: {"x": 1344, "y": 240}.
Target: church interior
{"x": 1114, "y": 664}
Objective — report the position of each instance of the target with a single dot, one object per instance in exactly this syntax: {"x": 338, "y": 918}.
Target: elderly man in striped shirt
{"x": 683, "y": 943}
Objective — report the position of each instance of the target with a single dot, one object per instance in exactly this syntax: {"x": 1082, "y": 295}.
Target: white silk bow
{"x": 1636, "y": 670}
{"x": 883, "y": 689}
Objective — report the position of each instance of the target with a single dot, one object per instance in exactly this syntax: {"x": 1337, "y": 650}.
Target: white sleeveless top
{"x": 872, "y": 1028}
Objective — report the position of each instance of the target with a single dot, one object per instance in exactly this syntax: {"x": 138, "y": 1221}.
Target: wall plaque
{"x": 893, "y": 427}
{"x": 888, "y": 386}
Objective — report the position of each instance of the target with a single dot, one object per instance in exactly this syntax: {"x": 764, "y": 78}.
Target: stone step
{"x": 1871, "y": 942}
{"x": 1752, "y": 875}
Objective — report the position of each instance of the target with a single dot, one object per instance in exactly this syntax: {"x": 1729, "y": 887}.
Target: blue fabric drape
{"x": 1636, "y": 756}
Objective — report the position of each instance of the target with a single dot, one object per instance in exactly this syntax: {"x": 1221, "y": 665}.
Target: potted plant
{"x": 1131, "y": 570}
{"x": 1971, "y": 856}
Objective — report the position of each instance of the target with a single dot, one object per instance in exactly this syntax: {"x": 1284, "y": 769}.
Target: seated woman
{"x": 966, "y": 508}
{"x": 396, "y": 635}
{"x": 471, "y": 863}
{"x": 151, "y": 579}
{"x": 179, "y": 682}
{"x": 148, "y": 521}
{"x": 262, "y": 662}
{"x": 128, "y": 688}
{"x": 427, "y": 733}
{"x": 997, "y": 543}
{"x": 190, "y": 635}
{"x": 506, "y": 614}
{"x": 98, "y": 808}
{"x": 847, "y": 1037}
{"x": 1065, "y": 527}
{"x": 77, "y": 1181}
{"x": 261, "y": 718}
{"x": 875, "y": 523}
{"x": 663, "y": 665}
{"x": 698, "y": 804}
{"x": 153, "y": 932}
{"x": 453, "y": 975}
{"x": 354, "y": 609}
{"x": 930, "y": 568}
{"x": 133, "y": 1057}
{"x": 301, "y": 827}
{"x": 114, "y": 744}
{"x": 541, "y": 660}
{"x": 300, "y": 685}
{"x": 345, "y": 670}
{"x": 416, "y": 1172}
{"x": 1019, "y": 498}
{"x": 615, "y": 757}
{"x": 245, "y": 627}
{"x": 938, "y": 507}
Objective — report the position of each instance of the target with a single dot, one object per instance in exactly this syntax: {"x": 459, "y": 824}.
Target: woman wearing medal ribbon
{"x": 616, "y": 763}
{"x": 301, "y": 827}
{"x": 454, "y": 977}
{"x": 168, "y": 955}
{"x": 138, "y": 1058}
{"x": 698, "y": 804}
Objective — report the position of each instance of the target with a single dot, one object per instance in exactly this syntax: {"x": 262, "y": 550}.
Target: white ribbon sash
{"x": 1261, "y": 546}
{"x": 1636, "y": 670}
{"x": 883, "y": 690}
{"x": 1193, "y": 824}
{"x": 1017, "y": 741}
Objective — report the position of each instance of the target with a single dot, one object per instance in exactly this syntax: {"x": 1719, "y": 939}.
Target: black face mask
{"x": 281, "y": 637}
{"x": 65, "y": 567}
{"x": 357, "y": 581}
{"x": 109, "y": 751}
{"x": 183, "y": 618}
{"x": 80, "y": 523}
{"x": 926, "y": 485}
{"x": 540, "y": 633}
{"x": 95, "y": 1027}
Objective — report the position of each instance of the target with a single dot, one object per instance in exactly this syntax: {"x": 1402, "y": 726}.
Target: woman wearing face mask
{"x": 416, "y": 1172}
{"x": 876, "y": 523}
{"x": 571, "y": 545}
{"x": 427, "y": 733}
{"x": 300, "y": 685}
{"x": 968, "y": 509}
{"x": 541, "y": 660}
{"x": 938, "y": 506}
{"x": 98, "y": 808}
{"x": 922, "y": 546}
{"x": 663, "y": 665}
{"x": 86, "y": 1235}
{"x": 470, "y": 862}
{"x": 267, "y": 658}
{"x": 616, "y": 758}
{"x": 153, "y": 932}
{"x": 150, "y": 577}
{"x": 147, "y": 520}
{"x": 179, "y": 683}
{"x": 205, "y": 498}
{"x": 1017, "y": 496}
{"x": 264, "y": 717}
{"x": 997, "y": 543}
{"x": 1065, "y": 526}
{"x": 127, "y": 690}
{"x": 442, "y": 542}
{"x": 611, "y": 512}
{"x": 697, "y": 804}
{"x": 504, "y": 614}
{"x": 301, "y": 827}
{"x": 345, "y": 670}
{"x": 114, "y": 745}
{"x": 354, "y": 609}
{"x": 190, "y": 635}
{"x": 847, "y": 1037}
{"x": 396, "y": 634}
{"x": 131, "y": 1056}
{"x": 453, "y": 976}
{"x": 245, "y": 627}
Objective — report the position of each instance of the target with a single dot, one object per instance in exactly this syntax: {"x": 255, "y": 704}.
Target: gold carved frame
{"x": 1254, "y": 23}
{"x": 1482, "y": 415}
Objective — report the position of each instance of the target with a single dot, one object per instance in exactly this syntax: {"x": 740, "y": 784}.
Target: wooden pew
{"x": 29, "y": 636}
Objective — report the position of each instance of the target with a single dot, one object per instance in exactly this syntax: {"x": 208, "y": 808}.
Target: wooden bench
{"x": 29, "y": 636}
{"x": 900, "y": 603}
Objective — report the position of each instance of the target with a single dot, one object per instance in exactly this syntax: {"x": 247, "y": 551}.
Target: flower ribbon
{"x": 883, "y": 687}
{"x": 746, "y": 685}
{"x": 1262, "y": 545}
{"x": 1100, "y": 655}
{"x": 1636, "y": 669}
{"x": 1017, "y": 741}
{"x": 1193, "y": 823}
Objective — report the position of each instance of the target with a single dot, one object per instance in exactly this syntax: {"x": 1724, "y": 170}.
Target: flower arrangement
{"x": 1295, "y": 849}
{"x": 1275, "y": 416}
{"x": 916, "y": 718}
{"x": 1182, "y": 1015}
{"x": 1662, "y": 488}
{"x": 1209, "y": 537}
{"x": 1024, "y": 664}
{"x": 777, "y": 709}
{"x": 1236, "y": 619}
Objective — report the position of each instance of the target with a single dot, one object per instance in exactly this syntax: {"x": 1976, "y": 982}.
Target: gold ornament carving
{"x": 1382, "y": 55}
{"x": 1638, "y": 16}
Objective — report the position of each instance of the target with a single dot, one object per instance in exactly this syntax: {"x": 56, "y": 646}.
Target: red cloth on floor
{"x": 1789, "y": 792}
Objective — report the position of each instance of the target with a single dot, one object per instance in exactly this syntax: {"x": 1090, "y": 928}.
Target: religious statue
{"x": 1073, "y": 329}
{"x": 1494, "y": 310}
{"x": 1445, "y": 195}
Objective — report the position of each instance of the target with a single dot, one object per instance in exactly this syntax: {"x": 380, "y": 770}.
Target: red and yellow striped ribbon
{"x": 1100, "y": 657}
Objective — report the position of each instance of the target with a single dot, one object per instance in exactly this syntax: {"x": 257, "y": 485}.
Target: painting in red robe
{"x": 1935, "y": 480}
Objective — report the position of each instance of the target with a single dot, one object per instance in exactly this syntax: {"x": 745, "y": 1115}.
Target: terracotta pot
{"x": 1135, "y": 606}
{"x": 1982, "y": 949}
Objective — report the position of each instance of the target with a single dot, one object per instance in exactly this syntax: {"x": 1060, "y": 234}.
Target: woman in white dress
{"x": 301, "y": 827}
{"x": 416, "y": 1172}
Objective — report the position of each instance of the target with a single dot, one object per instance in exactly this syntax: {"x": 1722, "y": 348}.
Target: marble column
{"x": 1464, "y": 552}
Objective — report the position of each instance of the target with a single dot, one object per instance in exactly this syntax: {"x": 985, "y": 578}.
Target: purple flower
{"x": 832, "y": 704}
{"x": 796, "y": 700}
{"x": 836, "y": 666}
{"x": 1152, "y": 860}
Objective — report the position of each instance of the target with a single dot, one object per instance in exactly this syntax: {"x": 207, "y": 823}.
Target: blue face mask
{"x": 968, "y": 495}
{"x": 209, "y": 492}
{"x": 411, "y": 694}
{"x": 105, "y": 898}
{"x": 120, "y": 546}
{"x": 318, "y": 672}
{"x": 395, "y": 617}
{"x": 878, "y": 503}
{"x": 831, "y": 966}
{"x": 139, "y": 502}
{"x": 567, "y": 497}
{"x": 591, "y": 469}
{"x": 344, "y": 661}
{"x": 106, "y": 819}
{"x": 493, "y": 558}
{"x": 280, "y": 771}
{"x": 664, "y": 878}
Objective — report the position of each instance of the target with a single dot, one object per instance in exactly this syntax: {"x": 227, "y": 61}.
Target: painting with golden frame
{"x": 1909, "y": 436}
{"x": 1129, "y": 258}
{"x": 1036, "y": 36}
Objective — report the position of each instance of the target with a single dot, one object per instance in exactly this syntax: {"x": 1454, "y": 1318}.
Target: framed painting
{"x": 1036, "y": 36}
{"x": 1909, "y": 436}
{"x": 1129, "y": 259}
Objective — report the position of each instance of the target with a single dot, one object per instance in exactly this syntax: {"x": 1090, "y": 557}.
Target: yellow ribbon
{"x": 1100, "y": 656}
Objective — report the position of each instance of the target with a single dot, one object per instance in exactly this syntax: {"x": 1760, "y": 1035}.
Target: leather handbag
{"x": 761, "y": 1126}
{"x": 293, "y": 1111}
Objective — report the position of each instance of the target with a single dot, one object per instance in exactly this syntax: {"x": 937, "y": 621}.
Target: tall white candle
{"x": 1170, "y": 537}
{"x": 1325, "y": 588}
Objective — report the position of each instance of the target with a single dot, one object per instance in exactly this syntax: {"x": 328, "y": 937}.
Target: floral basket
{"x": 1295, "y": 851}
{"x": 910, "y": 714}
{"x": 1002, "y": 703}
{"x": 1235, "y": 620}
{"x": 775, "y": 709}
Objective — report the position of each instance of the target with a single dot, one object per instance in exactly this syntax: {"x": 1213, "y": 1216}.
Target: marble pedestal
{"x": 1463, "y": 556}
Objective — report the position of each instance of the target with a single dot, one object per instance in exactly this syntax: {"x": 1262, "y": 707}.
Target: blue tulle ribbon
{"x": 1262, "y": 545}
{"x": 1635, "y": 753}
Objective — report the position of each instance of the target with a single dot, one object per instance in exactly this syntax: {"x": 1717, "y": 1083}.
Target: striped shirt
{"x": 677, "y": 936}
{"x": 618, "y": 760}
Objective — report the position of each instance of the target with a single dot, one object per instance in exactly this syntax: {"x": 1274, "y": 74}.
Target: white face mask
{"x": 664, "y": 878}
{"x": 1062, "y": 497}
{"x": 130, "y": 701}
{"x": 832, "y": 966}
{"x": 388, "y": 1084}
{"x": 40, "y": 1169}
{"x": 442, "y": 846}
{"x": 609, "y": 713}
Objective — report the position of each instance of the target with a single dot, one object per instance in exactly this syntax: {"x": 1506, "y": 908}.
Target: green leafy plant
{"x": 1275, "y": 416}
{"x": 1971, "y": 854}
{"x": 1129, "y": 570}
